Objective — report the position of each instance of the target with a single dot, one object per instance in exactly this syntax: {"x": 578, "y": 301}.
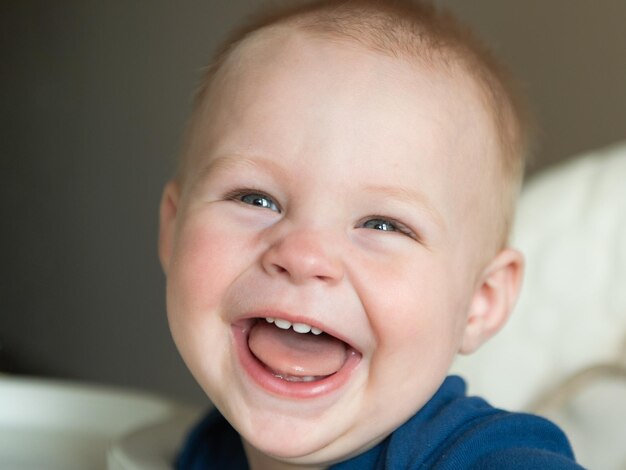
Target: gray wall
{"x": 94, "y": 99}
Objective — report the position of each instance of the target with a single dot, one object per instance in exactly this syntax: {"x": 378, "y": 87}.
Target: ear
{"x": 167, "y": 222}
{"x": 493, "y": 299}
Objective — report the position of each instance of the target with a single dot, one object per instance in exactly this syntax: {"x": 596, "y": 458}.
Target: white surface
{"x": 595, "y": 421}
{"x": 153, "y": 447}
{"x": 55, "y": 425}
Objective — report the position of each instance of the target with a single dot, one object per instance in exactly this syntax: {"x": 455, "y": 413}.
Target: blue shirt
{"x": 451, "y": 431}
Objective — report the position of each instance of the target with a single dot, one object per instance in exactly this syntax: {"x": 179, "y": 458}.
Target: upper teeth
{"x": 297, "y": 327}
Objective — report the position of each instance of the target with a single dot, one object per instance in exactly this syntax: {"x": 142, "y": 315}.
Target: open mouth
{"x": 293, "y": 359}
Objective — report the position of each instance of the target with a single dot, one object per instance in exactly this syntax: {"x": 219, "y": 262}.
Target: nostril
{"x": 280, "y": 269}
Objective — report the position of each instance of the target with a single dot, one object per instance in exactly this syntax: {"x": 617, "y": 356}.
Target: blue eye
{"x": 259, "y": 200}
{"x": 389, "y": 225}
{"x": 380, "y": 224}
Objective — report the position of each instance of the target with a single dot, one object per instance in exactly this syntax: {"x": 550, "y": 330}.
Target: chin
{"x": 298, "y": 440}
{"x": 311, "y": 452}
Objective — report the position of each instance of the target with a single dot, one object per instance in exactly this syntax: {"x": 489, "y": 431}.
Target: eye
{"x": 380, "y": 224}
{"x": 254, "y": 198}
{"x": 388, "y": 225}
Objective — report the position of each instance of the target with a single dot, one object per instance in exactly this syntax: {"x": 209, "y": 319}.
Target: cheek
{"x": 414, "y": 309}
{"x": 207, "y": 258}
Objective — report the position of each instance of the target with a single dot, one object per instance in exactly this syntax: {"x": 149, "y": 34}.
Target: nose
{"x": 304, "y": 257}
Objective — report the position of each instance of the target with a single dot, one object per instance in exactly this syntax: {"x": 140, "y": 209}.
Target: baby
{"x": 337, "y": 233}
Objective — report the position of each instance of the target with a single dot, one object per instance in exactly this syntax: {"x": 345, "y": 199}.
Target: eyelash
{"x": 399, "y": 227}
{"x": 239, "y": 194}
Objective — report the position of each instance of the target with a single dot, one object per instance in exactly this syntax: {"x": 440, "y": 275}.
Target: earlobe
{"x": 493, "y": 299}
{"x": 167, "y": 222}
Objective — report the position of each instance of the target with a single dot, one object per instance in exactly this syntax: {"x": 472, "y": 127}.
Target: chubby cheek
{"x": 199, "y": 270}
{"x": 205, "y": 261}
{"x": 415, "y": 323}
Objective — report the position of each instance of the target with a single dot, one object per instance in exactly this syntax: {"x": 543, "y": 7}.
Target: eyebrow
{"x": 235, "y": 161}
{"x": 409, "y": 196}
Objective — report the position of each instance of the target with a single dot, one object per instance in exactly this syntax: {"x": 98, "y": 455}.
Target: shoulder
{"x": 505, "y": 440}
{"x": 455, "y": 431}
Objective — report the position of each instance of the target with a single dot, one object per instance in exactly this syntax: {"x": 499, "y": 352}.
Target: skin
{"x": 338, "y": 137}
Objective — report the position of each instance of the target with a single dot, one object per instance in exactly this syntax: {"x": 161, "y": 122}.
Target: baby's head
{"x": 352, "y": 168}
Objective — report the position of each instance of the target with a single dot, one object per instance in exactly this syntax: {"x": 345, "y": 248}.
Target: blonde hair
{"x": 408, "y": 29}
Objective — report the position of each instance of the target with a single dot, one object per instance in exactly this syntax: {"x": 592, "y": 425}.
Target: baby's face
{"x": 329, "y": 187}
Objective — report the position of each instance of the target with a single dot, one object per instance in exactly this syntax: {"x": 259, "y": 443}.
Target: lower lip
{"x": 277, "y": 386}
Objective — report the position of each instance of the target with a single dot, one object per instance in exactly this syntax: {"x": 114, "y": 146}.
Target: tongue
{"x": 296, "y": 354}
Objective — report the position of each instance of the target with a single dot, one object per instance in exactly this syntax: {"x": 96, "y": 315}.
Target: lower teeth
{"x": 294, "y": 378}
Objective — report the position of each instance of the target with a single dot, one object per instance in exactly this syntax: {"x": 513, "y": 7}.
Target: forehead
{"x": 285, "y": 74}
{"x": 310, "y": 100}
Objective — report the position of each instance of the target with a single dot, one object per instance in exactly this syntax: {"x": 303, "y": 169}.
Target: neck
{"x": 259, "y": 461}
